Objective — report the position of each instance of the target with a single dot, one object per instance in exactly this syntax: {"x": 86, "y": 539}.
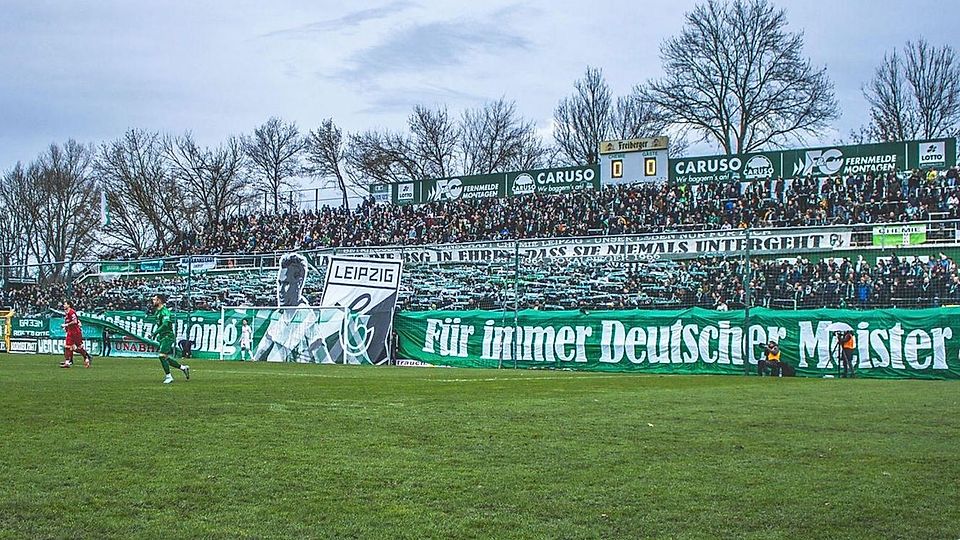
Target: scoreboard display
{"x": 634, "y": 161}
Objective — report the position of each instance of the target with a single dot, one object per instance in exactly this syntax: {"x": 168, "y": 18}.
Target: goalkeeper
{"x": 163, "y": 333}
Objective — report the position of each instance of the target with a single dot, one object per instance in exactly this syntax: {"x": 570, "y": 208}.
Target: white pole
{"x": 223, "y": 327}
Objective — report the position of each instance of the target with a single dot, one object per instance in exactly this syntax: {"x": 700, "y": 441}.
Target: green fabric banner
{"x": 892, "y": 343}
{"x": 302, "y": 335}
{"x": 117, "y": 267}
{"x": 151, "y": 266}
{"x": 130, "y": 331}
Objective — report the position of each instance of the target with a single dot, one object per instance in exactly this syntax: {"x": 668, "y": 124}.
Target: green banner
{"x": 825, "y": 161}
{"x": 30, "y": 327}
{"x": 891, "y": 343}
{"x": 899, "y": 235}
{"x": 561, "y": 180}
{"x": 407, "y": 193}
{"x": 303, "y": 335}
{"x": 117, "y": 267}
{"x": 151, "y": 266}
{"x": 490, "y": 186}
{"x": 696, "y": 170}
{"x": 131, "y": 267}
{"x": 483, "y": 186}
{"x": 129, "y": 332}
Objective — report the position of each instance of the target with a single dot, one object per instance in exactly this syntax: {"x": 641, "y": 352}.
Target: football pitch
{"x": 293, "y": 451}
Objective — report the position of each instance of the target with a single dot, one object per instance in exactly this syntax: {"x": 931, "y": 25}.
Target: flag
{"x": 104, "y": 208}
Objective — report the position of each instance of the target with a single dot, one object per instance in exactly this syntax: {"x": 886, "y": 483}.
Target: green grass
{"x": 281, "y": 451}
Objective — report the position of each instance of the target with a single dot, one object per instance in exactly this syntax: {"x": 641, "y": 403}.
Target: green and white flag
{"x": 104, "y": 208}
{"x": 899, "y": 235}
{"x": 890, "y": 343}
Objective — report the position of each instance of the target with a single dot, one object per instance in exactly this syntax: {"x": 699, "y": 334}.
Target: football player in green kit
{"x": 163, "y": 333}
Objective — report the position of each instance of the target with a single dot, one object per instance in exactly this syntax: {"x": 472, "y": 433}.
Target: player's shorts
{"x": 166, "y": 346}
{"x": 245, "y": 344}
{"x": 74, "y": 338}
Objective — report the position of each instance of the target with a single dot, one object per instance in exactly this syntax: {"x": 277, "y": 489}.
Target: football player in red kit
{"x": 74, "y": 342}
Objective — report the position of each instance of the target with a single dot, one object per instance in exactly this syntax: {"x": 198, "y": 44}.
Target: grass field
{"x": 275, "y": 451}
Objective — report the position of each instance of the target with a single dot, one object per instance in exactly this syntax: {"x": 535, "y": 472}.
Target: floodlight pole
{"x": 69, "y": 278}
{"x": 189, "y": 278}
{"x": 516, "y": 292}
{"x": 746, "y": 309}
{"x": 6, "y": 269}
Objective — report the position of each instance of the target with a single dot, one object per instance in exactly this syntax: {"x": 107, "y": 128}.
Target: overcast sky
{"x": 89, "y": 70}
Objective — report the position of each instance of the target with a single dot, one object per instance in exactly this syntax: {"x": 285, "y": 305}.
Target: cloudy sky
{"x": 90, "y": 69}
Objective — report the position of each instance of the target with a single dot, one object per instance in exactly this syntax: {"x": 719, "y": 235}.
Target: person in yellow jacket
{"x": 771, "y": 361}
{"x": 847, "y": 344}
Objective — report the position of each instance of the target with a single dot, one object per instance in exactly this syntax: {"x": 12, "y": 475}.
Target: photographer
{"x": 106, "y": 345}
{"x": 771, "y": 360}
{"x": 847, "y": 344}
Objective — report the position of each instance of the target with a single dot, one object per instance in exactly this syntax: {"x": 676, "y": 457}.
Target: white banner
{"x": 198, "y": 263}
{"x": 368, "y": 287}
{"x": 23, "y": 346}
{"x": 627, "y": 248}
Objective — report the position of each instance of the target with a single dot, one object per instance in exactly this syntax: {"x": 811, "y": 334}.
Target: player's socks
{"x": 85, "y": 355}
{"x": 166, "y": 364}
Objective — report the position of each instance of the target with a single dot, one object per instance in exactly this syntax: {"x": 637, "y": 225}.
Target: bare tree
{"x": 494, "y": 138}
{"x": 143, "y": 197}
{"x": 736, "y": 77}
{"x": 915, "y": 96}
{"x": 57, "y": 198}
{"x": 433, "y": 141}
{"x": 224, "y": 167}
{"x": 491, "y": 138}
{"x": 591, "y": 115}
{"x": 74, "y": 200}
{"x": 126, "y": 229}
{"x": 274, "y": 152}
{"x": 892, "y": 118}
{"x": 584, "y": 119}
{"x": 636, "y": 118}
{"x": 20, "y": 220}
{"x": 326, "y": 157}
{"x": 210, "y": 179}
{"x": 428, "y": 150}
{"x": 381, "y": 157}
{"x": 531, "y": 153}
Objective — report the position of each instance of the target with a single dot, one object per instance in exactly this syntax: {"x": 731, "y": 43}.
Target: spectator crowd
{"x": 613, "y": 210}
{"x": 717, "y": 283}
{"x": 713, "y": 283}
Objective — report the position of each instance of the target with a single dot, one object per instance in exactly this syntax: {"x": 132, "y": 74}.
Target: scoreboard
{"x": 634, "y": 161}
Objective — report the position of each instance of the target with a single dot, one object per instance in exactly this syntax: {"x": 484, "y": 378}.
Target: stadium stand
{"x": 714, "y": 282}
{"x": 615, "y": 210}
{"x": 920, "y": 279}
